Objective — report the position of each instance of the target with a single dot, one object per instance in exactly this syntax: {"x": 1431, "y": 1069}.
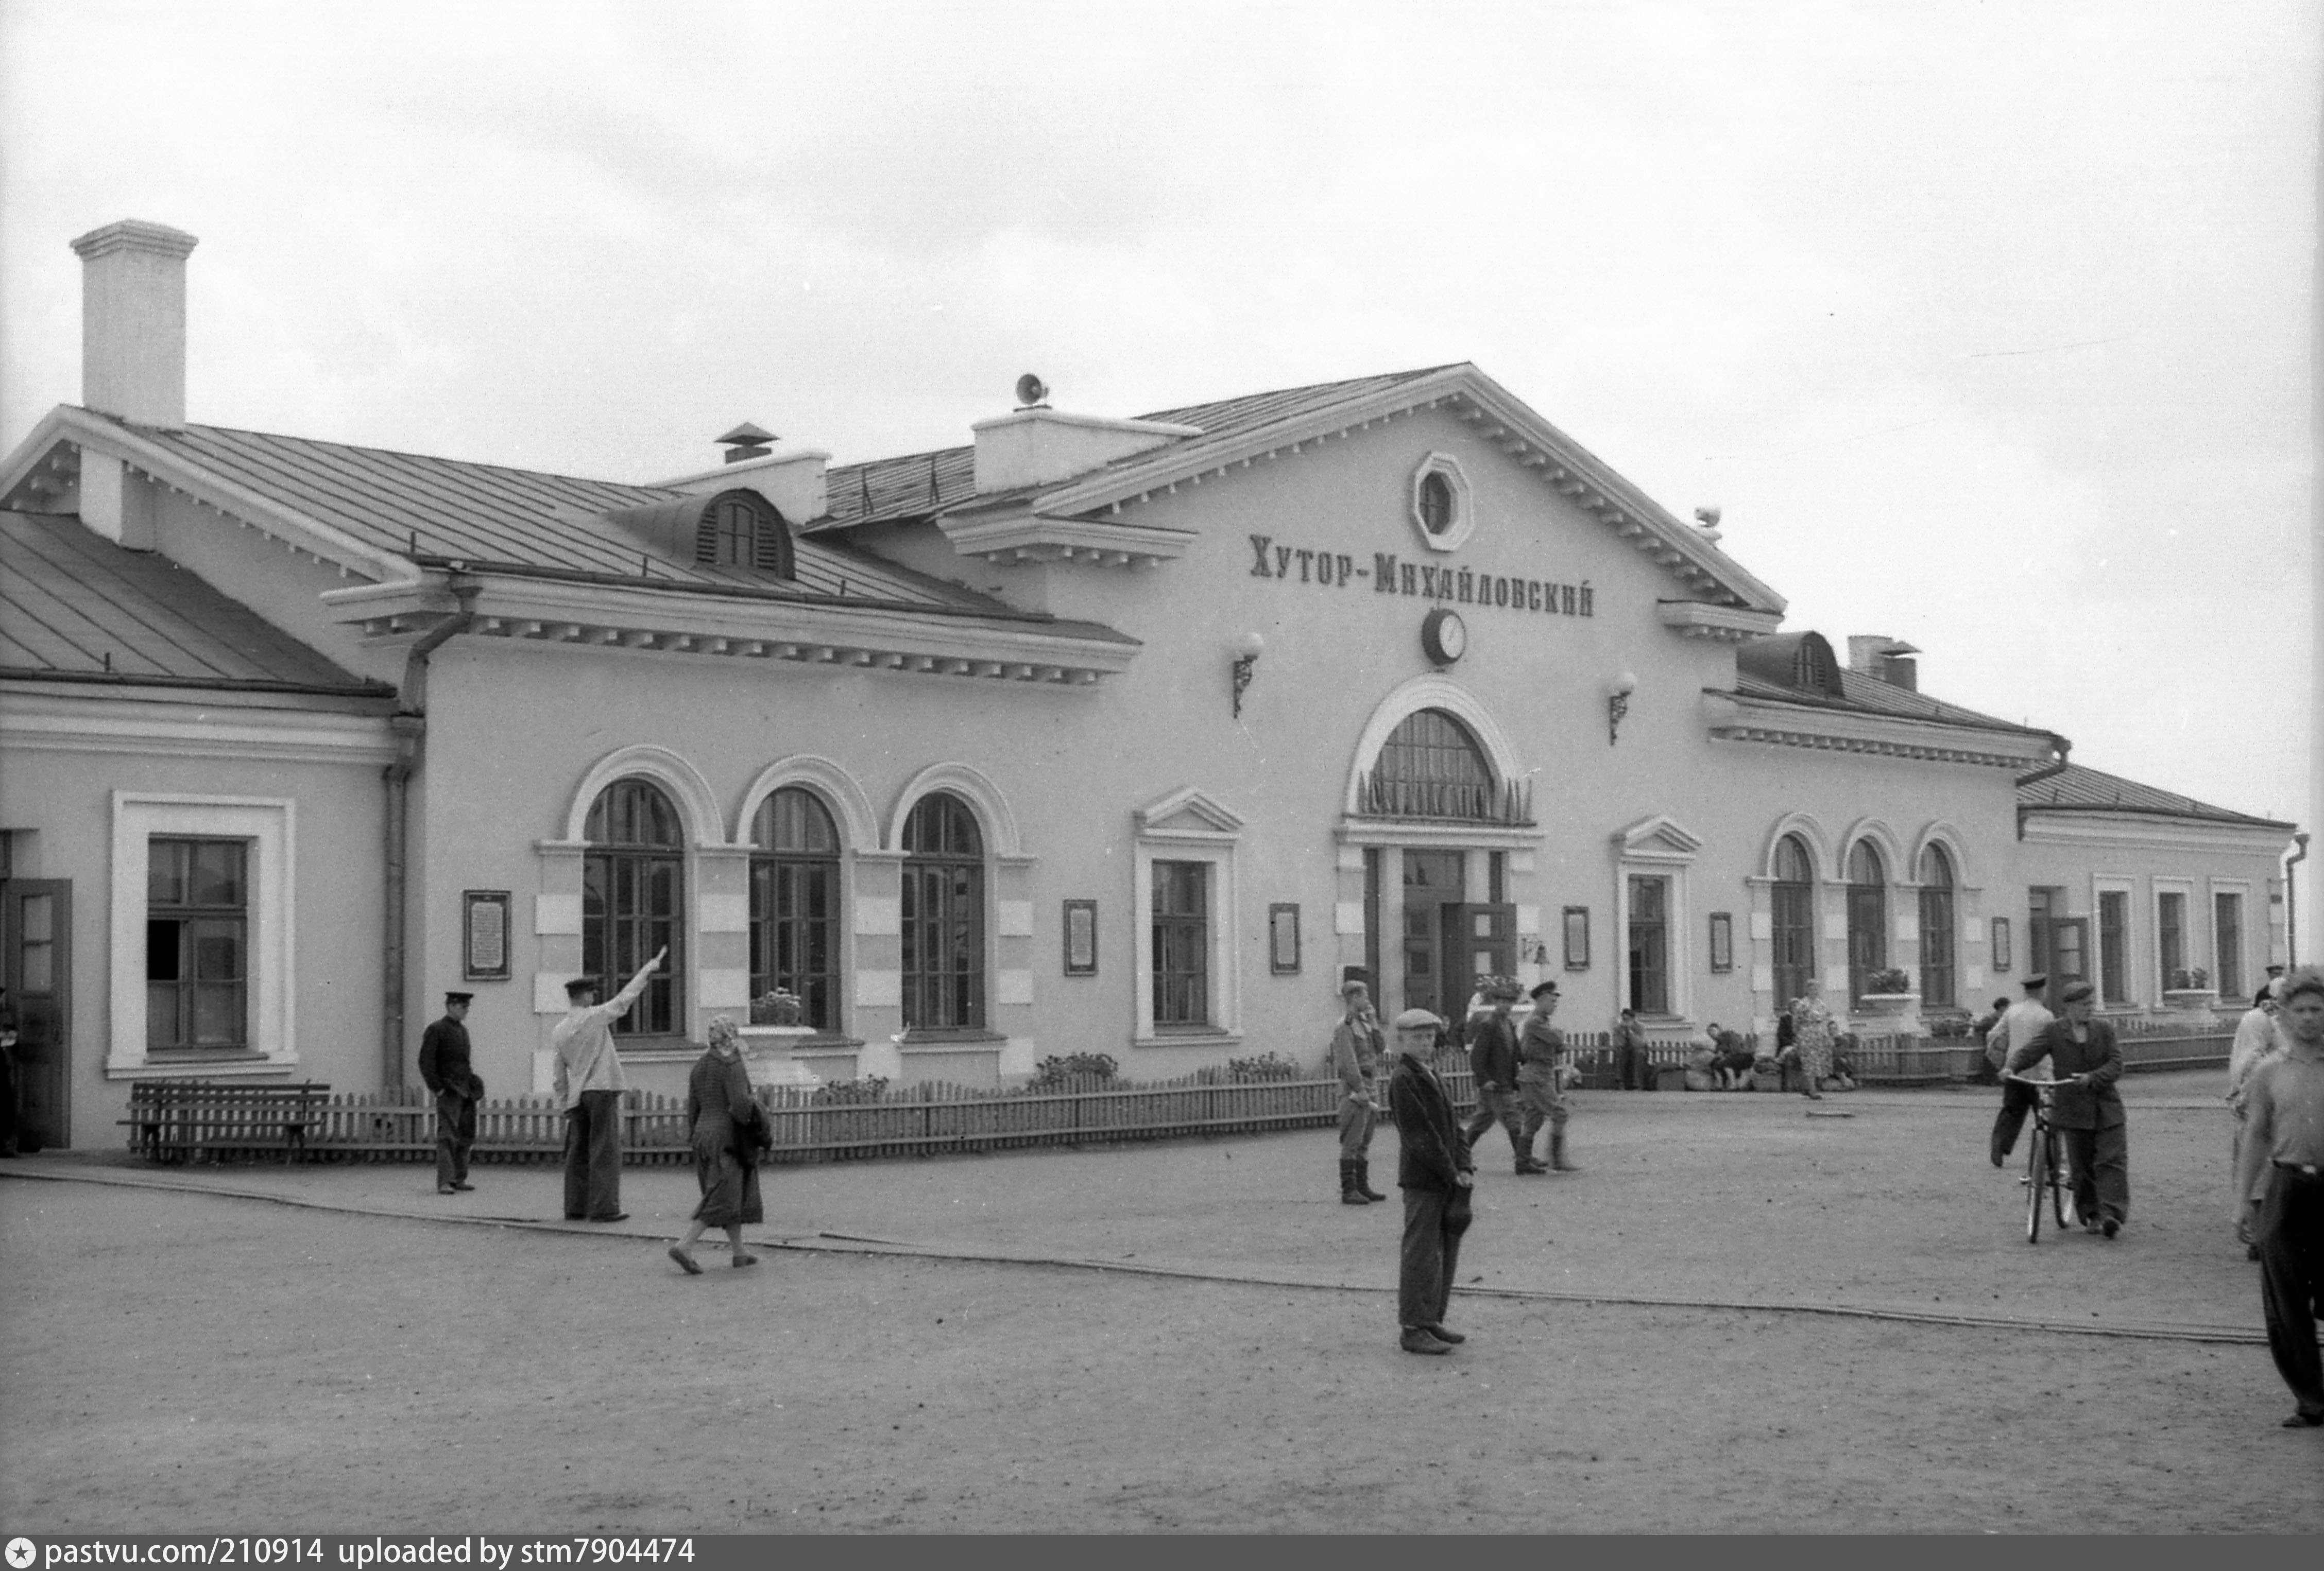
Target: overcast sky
{"x": 1987, "y": 325}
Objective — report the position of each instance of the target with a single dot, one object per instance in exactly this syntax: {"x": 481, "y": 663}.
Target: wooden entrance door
{"x": 36, "y": 963}
{"x": 1478, "y": 940}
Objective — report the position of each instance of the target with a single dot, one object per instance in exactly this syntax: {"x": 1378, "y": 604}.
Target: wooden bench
{"x": 176, "y": 1120}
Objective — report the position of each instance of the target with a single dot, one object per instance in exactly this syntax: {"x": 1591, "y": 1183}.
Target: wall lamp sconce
{"x": 1617, "y": 703}
{"x": 1246, "y": 656}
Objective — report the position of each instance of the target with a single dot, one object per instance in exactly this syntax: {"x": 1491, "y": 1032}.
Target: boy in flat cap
{"x": 1357, "y": 1050}
{"x": 444, "y": 1066}
{"x": 1433, "y": 1170}
{"x": 2087, "y": 1111}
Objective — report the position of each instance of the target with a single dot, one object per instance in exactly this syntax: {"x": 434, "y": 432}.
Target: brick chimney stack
{"x": 133, "y": 321}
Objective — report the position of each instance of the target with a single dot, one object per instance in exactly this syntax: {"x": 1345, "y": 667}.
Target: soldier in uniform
{"x": 1493, "y": 1061}
{"x": 1357, "y": 1050}
{"x": 1541, "y": 1075}
{"x": 444, "y": 1066}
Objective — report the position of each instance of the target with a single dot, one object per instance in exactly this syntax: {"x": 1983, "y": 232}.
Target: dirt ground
{"x": 191, "y": 1359}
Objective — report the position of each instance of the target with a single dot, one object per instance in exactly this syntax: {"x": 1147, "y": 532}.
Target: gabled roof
{"x": 74, "y": 607}
{"x": 1237, "y": 432}
{"x": 2080, "y": 789}
{"x": 920, "y": 485}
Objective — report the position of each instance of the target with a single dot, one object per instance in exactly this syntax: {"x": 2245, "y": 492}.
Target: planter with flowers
{"x": 2190, "y": 996}
{"x": 778, "y": 1028}
{"x": 1888, "y": 1006}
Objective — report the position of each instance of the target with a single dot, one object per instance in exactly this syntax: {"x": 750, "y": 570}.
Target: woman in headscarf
{"x": 730, "y": 1130}
{"x": 1812, "y": 1036}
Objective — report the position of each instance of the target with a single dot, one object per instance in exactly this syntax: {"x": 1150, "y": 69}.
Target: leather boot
{"x": 1526, "y": 1165}
{"x": 1350, "y": 1195}
{"x": 1557, "y": 1152}
{"x": 1364, "y": 1180}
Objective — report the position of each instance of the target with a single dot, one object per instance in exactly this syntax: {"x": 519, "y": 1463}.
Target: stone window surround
{"x": 267, "y": 825}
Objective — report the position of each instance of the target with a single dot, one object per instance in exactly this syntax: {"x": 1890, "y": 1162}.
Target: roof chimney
{"x": 133, "y": 321}
{"x": 1889, "y": 660}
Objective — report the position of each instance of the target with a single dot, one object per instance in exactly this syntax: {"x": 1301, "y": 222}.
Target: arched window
{"x": 1937, "y": 928}
{"x": 1868, "y": 915}
{"x": 943, "y": 916}
{"x": 1431, "y": 766}
{"x": 794, "y": 904}
{"x": 1792, "y": 912}
{"x": 634, "y": 901}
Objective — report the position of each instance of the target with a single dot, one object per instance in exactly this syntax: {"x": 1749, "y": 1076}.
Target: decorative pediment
{"x": 1661, "y": 838}
{"x": 1187, "y": 815}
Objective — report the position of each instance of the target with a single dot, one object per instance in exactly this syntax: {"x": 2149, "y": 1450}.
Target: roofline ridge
{"x": 670, "y": 492}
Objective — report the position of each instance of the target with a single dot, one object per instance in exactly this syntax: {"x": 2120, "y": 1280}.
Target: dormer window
{"x": 738, "y": 529}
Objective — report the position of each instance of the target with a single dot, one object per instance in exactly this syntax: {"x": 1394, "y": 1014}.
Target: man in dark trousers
{"x": 2019, "y": 1024}
{"x": 2283, "y": 1149}
{"x": 444, "y": 1066}
{"x": 1433, "y": 1170}
{"x": 1629, "y": 1052}
{"x": 2087, "y": 1111}
{"x": 1493, "y": 1063}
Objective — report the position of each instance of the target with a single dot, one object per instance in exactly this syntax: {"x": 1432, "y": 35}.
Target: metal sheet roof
{"x": 2080, "y": 789}
{"x": 920, "y": 483}
{"x": 1870, "y": 695}
{"x": 417, "y": 506}
{"x": 75, "y": 605}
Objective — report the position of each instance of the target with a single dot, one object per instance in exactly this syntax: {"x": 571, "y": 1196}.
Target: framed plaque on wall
{"x": 485, "y": 935}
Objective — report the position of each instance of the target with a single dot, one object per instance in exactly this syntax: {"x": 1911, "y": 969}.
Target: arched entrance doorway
{"x": 1446, "y": 832}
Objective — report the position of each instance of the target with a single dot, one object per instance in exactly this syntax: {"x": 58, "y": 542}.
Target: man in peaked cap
{"x": 1357, "y": 1050}
{"x": 1433, "y": 1168}
{"x": 2018, "y": 1026}
{"x": 1541, "y": 1093}
{"x": 444, "y": 1065}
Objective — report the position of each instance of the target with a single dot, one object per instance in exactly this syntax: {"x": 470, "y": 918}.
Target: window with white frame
{"x": 1649, "y": 945}
{"x": 1937, "y": 934}
{"x": 943, "y": 916}
{"x": 1182, "y": 944}
{"x": 1652, "y": 916}
{"x": 201, "y": 966}
{"x": 1183, "y": 877}
{"x": 1867, "y": 916}
{"x": 196, "y": 944}
{"x": 2227, "y": 943}
{"x": 2113, "y": 946}
{"x": 2170, "y": 938}
{"x": 1791, "y": 905}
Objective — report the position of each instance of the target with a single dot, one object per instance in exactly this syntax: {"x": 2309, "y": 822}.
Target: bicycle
{"x": 2044, "y": 1168}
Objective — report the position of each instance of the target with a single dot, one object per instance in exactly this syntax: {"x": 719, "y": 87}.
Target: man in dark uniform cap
{"x": 444, "y": 1065}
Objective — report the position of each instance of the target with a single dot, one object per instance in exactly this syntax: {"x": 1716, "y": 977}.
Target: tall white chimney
{"x": 133, "y": 321}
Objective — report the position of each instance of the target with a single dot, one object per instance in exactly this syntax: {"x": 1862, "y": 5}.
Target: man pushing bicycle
{"x": 2087, "y": 1111}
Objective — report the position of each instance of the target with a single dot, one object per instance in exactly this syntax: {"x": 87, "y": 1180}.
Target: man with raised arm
{"x": 2283, "y": 1165}
{"x": 589, "y": 1083}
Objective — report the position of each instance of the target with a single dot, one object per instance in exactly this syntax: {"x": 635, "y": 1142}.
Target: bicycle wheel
{"x": 2038, "y": 1178}
{"x": 2062, "y": 1191}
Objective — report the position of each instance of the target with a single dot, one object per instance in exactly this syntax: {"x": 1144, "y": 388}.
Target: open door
{"x": 36, "y": 959}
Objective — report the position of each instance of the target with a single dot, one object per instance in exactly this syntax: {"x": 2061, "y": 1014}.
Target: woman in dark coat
{"x": 729, "y": 1132}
